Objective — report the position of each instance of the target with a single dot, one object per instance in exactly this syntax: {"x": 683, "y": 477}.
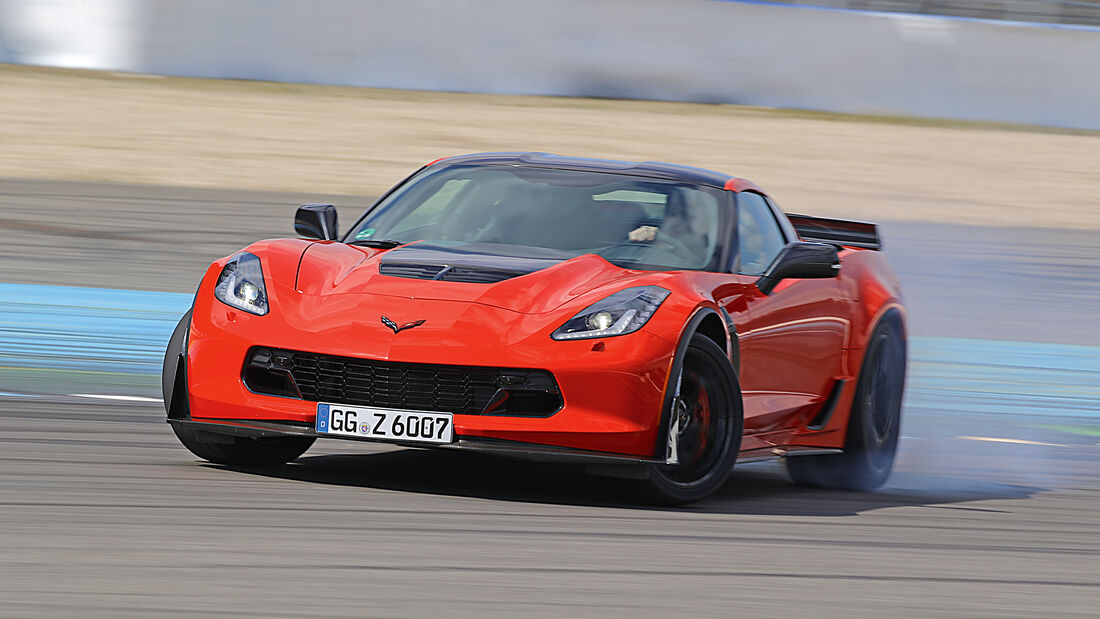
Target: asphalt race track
{"x": 992, "y": 510}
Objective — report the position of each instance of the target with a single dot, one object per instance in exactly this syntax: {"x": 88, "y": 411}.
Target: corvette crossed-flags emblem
{"x": 397, "y": 329}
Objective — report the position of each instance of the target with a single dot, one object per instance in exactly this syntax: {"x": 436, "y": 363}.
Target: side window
{"x": 759, "y": 237}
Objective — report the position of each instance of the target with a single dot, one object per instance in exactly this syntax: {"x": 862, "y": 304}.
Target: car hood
{"x": 520, "y": 279}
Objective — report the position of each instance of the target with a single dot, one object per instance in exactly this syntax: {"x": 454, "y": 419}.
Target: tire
{"x": 875, "y": 422}
{"x": 229, "y": 450}
{"x": 171, "y": 359}
{"x": 708, "y": 431}
{"x": 244, "y": 451}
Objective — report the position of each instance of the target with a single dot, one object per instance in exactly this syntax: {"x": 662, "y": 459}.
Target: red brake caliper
{"x": 702, "y": 403}
{"x": 699, "y": 420}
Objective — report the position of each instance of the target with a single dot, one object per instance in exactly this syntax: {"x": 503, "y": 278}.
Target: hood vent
{"x": 411, "y": 271}
{"x": 439, "y": 272}
{"x": 467, "y": 262}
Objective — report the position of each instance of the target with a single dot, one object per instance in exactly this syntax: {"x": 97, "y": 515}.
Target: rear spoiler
{"x": 836, "y": 231}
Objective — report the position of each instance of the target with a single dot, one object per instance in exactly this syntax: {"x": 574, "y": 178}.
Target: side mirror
{"x": 800, "y": 260}
{"x": 316, "y": 221}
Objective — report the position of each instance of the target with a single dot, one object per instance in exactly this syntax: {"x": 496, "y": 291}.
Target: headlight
{"x": 241, "y": 284}
{"x": 621, "y": 313}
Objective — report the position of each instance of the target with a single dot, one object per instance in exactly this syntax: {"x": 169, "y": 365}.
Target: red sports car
{"x": 654, "y": 321}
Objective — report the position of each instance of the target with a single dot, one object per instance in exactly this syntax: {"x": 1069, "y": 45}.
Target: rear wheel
{"x": 875, "y": 422}
{"x": 241, "y": 450}
{"x": 703, "y": 431}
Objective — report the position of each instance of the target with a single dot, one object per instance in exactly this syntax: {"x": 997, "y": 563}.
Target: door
{"x": 792, "y": 340}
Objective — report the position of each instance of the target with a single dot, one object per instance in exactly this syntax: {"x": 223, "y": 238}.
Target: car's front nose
{"x": 610, "y": 390}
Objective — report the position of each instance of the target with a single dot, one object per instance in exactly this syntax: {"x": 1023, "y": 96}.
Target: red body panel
{"x": 326, "y": 297}
{"x": 610, "y": 391}
{"x": 792, "y": 350}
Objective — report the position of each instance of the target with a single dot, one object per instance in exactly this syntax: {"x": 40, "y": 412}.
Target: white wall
{"x": 692, "y": 50}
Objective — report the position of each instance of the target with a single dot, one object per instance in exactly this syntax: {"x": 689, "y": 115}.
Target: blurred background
{"x": 142, "y": 139}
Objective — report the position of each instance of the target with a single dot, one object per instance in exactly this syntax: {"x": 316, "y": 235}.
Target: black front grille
{"x": 456, "y": 389}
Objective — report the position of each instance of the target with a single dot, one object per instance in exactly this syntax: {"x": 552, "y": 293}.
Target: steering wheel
{"x": 676, "y": 247}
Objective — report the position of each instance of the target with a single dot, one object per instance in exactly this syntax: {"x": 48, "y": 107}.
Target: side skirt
{"x": 753, "y": 455}
{"x": 774, "y": 453}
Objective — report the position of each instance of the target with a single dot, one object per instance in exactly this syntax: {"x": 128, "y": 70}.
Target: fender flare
{"x": 889, "y": 312}
{"x": 173, "y": 379}
{"x": 891, "y": 306}
{"x": 689, "y": 331}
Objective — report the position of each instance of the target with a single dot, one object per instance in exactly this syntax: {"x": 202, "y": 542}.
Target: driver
{"x": 682, "y": 223}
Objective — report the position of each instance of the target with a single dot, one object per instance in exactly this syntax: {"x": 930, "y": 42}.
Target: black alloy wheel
{"x": 875, "y": 422}
{"x": 702, "y": 436}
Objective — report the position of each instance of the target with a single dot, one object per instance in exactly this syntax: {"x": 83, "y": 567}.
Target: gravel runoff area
{"x": 85, "y": 125}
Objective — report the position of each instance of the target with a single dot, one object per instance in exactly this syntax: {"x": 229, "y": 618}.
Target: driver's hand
{"x": 643, "y": 234}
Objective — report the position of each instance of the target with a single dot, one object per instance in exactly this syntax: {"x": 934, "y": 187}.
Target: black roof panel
{"x": 652, "y": 169}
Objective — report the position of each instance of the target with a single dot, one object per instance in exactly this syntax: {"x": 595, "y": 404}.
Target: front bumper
{"x": 612, "y": 389}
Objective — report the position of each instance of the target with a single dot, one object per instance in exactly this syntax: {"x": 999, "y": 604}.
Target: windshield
{"x": 632, "y": 222}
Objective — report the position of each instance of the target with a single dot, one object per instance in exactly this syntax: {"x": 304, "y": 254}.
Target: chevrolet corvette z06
{"x": 653, "y": 321}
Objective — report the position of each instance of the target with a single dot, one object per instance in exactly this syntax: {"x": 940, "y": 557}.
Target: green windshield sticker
{"x": 365, "y": 233}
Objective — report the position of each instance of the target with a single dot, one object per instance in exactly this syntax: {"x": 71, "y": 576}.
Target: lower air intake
{"x": 464, "y": 390}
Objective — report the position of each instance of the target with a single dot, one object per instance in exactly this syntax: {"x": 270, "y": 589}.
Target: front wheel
{"x": 875, "y": 423}
{"x": 702, "y": 433}
{"x": 241, "y": 450}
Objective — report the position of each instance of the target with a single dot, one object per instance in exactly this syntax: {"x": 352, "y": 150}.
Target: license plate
{"x": 385, "y": 424}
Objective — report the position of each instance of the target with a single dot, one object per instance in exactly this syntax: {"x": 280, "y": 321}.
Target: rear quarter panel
{"x": 872, "y": 284}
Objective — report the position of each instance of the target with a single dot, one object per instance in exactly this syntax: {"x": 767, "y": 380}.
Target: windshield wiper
{"x": 387, "y": 244}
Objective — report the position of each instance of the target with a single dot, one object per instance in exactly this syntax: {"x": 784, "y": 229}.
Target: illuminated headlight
{"x": 241, "y": 284}
{"x": 621, "y": 313}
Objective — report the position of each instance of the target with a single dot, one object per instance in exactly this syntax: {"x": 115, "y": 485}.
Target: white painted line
{"x": 124, "y": 398}
{"x": 17, "y": 395}
{"x": 1019, "y": 441}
